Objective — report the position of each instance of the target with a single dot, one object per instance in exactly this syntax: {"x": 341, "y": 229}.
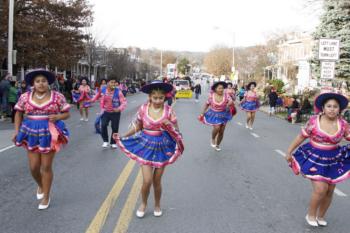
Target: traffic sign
{"x": 327, "y": 69}
{"x": 328, "y": 49}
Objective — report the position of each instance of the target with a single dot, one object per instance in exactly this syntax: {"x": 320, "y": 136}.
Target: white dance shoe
{"x": 39, "y": 196}
{"x": 140, "y": 214}
{"x": 312, "y": 223}
{"x": 321, "y": 222}
{"x": 114, "y": 146}
{"x": 44, "y": 207}
{"x": 157, "y": 213}
{"x": 217, "y": 148}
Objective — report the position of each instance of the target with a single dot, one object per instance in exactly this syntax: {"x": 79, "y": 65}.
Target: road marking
{"x": 101, "y": 215}
{"x": 281, "y": 152}
{"x": 340, "y": 193}
{"x": 128, "y": 209}
{"x": 336, "y": 191}
{"x": 6, "y": 148}
{"x": 239, "y": 123}
{"x": 134, "y": 101}
{"x": 255, "y": 135}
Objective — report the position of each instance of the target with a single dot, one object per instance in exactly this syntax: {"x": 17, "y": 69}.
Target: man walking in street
{"x": 197, "y": 91}
{"x": 112, "y": 103}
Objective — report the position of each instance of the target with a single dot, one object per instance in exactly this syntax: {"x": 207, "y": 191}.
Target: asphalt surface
{"x": 245, "y": 188}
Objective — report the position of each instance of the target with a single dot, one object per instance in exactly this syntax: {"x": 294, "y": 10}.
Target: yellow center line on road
{"x": 101, "y": 215}
{"x": 128, "y": 209}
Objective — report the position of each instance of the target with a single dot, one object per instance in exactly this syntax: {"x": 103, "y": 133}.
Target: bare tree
{"x": 219, "y": 61}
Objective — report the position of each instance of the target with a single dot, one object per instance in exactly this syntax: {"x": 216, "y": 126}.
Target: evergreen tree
{"x": 335, "y": 24}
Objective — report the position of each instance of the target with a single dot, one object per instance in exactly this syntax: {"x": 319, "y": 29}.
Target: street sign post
{"x": 328, "y": 54}
{"x": 328, "y": 49}
{"x": 327, "y": 69}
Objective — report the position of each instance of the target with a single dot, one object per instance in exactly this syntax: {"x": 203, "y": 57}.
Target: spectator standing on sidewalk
{"x": 272, "y": 101}
{"x": 4, "y": 90}
{"x": 12, "y": 99}
{"x": 22, "y": 88}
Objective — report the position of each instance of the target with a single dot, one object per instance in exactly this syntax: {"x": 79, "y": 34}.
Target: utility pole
{"x": 10, "y": 39}
{"x": 161, "y": 63}
{"x": 233, "y": 52}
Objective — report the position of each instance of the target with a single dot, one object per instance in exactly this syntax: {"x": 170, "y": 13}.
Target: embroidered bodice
{"x": 151, "y": 124}
{"x": 251, "y": 96}
{"x": 313, "y": 131}
{"x": 55, "y": 105}
{"x": 218, "y": 106}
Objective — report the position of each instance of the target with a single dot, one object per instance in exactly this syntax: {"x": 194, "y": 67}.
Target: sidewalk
{"x": 265, "y": 109}
{"x": 6, "y": 131}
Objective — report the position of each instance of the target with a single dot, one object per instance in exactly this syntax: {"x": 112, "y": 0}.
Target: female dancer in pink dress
{"x": 154, "y": 142}
{"x": 250, "y": 104}
{"x": 322, "y": 159}
{"x": 84, "y": 99}
{"x": 39, "y": 128}
{"x": 217, "y": 113}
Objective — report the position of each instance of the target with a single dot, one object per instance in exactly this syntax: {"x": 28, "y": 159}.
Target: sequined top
{"x": 151, "y": 124}
{"x": 84, "y": 93}
{"x": 251, "y": 96}
{"x": 313, "y": 131}
{"x": 219, "y": 107}
{"x": 55, "y": 105}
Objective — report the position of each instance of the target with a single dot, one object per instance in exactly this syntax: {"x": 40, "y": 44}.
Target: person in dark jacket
{"x": 4, "y": 91}
{"x": 197, "y": 91}
{"x": 272, "y": 101}
{"x": 12, "y": 99}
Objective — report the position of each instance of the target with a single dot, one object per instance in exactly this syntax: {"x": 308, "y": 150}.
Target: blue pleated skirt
{"x": 35, "y": 135}
{"x": 250, "y": 106}
{"x": 153, "y": 150}
{"x": 212, "y": 117}
{"x": 330, "y": 166}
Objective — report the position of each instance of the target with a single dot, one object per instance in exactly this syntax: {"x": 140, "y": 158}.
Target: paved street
{"x": 245, "y": 188}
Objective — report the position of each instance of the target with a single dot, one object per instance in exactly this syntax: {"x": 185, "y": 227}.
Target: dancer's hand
{"x": 200, "y": 117}
{"x": 116, "y": 110}
{"x": 289, "y": 157}
{"x": 166, "y": 122}
{"x": 14, "y": 136}
{"x": 54, "y": 118}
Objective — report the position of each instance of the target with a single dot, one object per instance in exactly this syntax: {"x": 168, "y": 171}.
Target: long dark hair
{"x": 328, "y": 99}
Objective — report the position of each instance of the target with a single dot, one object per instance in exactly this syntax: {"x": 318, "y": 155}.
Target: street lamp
{"x": 161, "y": 63}
{"x": 10, "y": 39}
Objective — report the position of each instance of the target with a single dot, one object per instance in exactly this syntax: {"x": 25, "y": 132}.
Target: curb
{"x": 277, "y": 116}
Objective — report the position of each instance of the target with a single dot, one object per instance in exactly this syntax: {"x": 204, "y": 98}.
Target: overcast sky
{"x": 196, "y": 25}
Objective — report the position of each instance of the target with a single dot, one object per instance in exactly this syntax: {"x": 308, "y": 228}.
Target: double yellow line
{"x": 125, "y": 217}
